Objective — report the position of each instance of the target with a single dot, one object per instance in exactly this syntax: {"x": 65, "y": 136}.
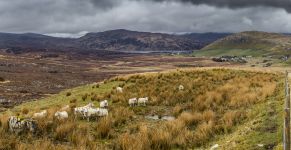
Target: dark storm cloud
{"x": 285, "y": 4}
{"x": 76, "y": 17}
{"x": 105, "y": 3}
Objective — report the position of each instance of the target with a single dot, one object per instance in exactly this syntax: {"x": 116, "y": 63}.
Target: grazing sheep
{"x": 39, "y": 115}
{"x": 82, "y": 110}
{"x": 104, "y": 104}
{"x": 18, "y": 125}
{"x": 181, "y": 87}
{"x": 143, "y": 101}
{"x": 119, "y": 89}
{"x": 132, "y": 101}
{"x": 91, "y": 112}
{"x": 61, "y": 115}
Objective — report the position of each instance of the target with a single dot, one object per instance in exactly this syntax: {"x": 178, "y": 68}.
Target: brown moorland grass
{"x": 213, "y": 103}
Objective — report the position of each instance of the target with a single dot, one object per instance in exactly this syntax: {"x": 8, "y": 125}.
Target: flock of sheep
{"x": 17, "y": 124}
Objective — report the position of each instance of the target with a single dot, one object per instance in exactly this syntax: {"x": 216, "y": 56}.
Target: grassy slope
{"x": 267, "y": 117}
{"x": 231, "y": 52}
{"x": 248, "y": 43}
{"x": 262, "y": 116}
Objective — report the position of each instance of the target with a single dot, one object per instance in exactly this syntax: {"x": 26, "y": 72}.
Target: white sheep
{"x": 91, "y": 112}
{"x": 214, "y": 147}
{"x": 143, "y": 101}
{"x": 83, "y": 110}
{"x": 61, "y": 115}
{"x": 95, "y": 112}
{"x": 132, "y": 101}
{"x": 104, "y": 104}
{"x": 181, "y": 87}
{"x": 40, "y": 114}
{"x": 119, "y": 89}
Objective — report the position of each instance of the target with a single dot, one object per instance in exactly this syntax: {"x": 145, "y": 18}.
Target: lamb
{"x": 40, "y": 115}
{"x": 119, "y": 89}
{"x": 143, "y": 101}
{"x": 132, "y": 101}
{"x": 61, "y": 115}
{"x": 83, "y": 110}
{"x": 104, "y": 104}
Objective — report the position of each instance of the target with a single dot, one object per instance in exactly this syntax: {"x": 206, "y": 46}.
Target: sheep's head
{"x": 57, "y": 114}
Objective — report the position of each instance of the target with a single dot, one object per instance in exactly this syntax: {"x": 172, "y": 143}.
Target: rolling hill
{"x": 250, "y": 43}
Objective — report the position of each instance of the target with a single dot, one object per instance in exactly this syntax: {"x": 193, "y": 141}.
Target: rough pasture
{"x": 214, "y": 106}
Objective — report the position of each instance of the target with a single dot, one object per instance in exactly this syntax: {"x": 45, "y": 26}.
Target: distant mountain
{"x": 250, "y": 42}
{"x": 132, "y": 40}
{"x": 114, "y": 40}
{"x": 33, "y": 41}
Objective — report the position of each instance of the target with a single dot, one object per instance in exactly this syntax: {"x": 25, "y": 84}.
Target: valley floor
{"x": 34, "y": 75}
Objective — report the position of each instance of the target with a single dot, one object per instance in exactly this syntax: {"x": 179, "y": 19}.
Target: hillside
{"x": 235, "y": 109}
{"x": 250, "y": 43}
{"x": 33, "y": 42}
{"x": 116, "y": 40}
{"x": 207, "y": 38}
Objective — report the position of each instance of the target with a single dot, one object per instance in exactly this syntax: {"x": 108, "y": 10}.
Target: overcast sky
{"x": 77, "y": 17}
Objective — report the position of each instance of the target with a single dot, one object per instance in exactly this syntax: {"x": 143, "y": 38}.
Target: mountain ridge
{"x": 114, "y": 40}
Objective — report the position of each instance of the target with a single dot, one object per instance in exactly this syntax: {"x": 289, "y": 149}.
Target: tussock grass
{"x": 203, "y": 132}
{"x": 63, "y": 130}
{"x": 4, "y": 122}
{"x": 25, "y": 111}
{"x": 121, "y": 115}
{"x": 104, "y": 127}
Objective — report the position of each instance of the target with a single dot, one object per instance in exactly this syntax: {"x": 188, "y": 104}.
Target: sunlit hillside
{"x": 251, "y": 43}
{"x": 232, "y": 108}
